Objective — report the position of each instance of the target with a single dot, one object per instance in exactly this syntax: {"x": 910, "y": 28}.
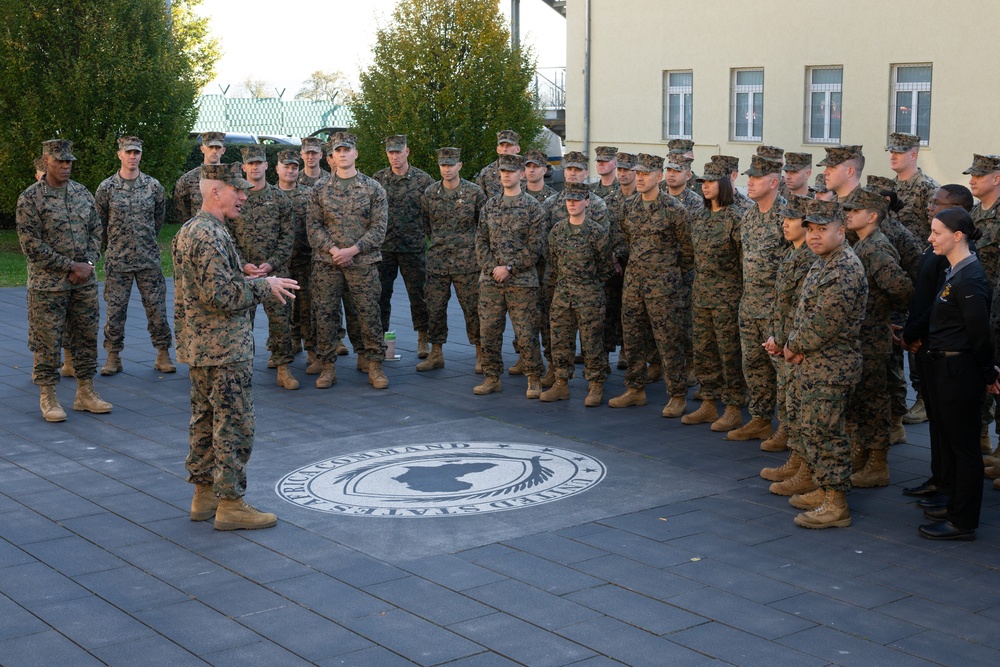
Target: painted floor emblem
{"x": 441, "y": 479}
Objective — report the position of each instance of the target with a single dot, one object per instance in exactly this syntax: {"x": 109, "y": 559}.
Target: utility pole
{"x": 515, "y": 24}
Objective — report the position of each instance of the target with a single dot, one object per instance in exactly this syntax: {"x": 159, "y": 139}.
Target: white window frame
{"x": 914, "y": 89}
{"x": 686, "y": 94}
{"x": 828, "y": 90}
{"x": 754, "y": 91}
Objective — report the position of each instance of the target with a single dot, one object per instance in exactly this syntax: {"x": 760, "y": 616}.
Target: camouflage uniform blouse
{"x": 510, "y": 233}
{"x": 660, "y": 248}
{"x": 915, "y": 193}
{"x": 132, "y": 215}
{"x": 301, "y": 250}
{"x": 604, "y": 191}
{"x": 488, "y": 180}
{"x": 889, "y": 289}
{"x": 907, "y": 246}
{"x": 345, "y": 215}
{"x": 580, "y": 255}
{"x": 264, "y": 233}
{"x": 405, "y": 229}
{"x": 57, "y": 227}
{"x": 718, "y": 258}
{"x": 450, "y": 222}
{"x": 187, "y": 195}
{"x": 311, "y": 182}
{"x": 988, "y": 247}
{"x": 616, "y": 210}
{"x": 539, "y": 196}
{"x": 787, "y": 286}
{"x": 763, "y": 247}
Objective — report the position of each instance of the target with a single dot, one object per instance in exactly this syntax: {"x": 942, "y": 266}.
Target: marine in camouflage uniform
{"x": 660, "y": 253}
{"x": 580, "y": 256}
{"x": 916, "y": 189}
{"x": 132, "y": 210}
{"x": 451, "y": 218}
{"x": 536, "y": 164}
{"x": 213, "y": 319}
{"x": 300, "y": 262}
{"x": 778, "y": 155}
{"x": 797, "y": 170}
{"x": 60, "y": 235}
{"x": 187, "y": 192}
{"x": 264, "y": 234}
{"x": 488, "y": 180}
{"x": 508, "y": 243}
{"x": 347, "y": 213}
{"x": 685, "y": 147}
{"x": 732, "y": 165}
{"x": 619, "y": 250}
{"x": 823, "y": 342}
{"x": 607, "y": 165}
{"x": 889, "y": 288}
{"x": 311, "y": 152}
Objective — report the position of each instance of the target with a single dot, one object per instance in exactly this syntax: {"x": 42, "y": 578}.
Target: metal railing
{"x": 549, "y": 87}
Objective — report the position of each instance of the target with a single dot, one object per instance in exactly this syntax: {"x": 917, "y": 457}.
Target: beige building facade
{"x": 798, "y": 74}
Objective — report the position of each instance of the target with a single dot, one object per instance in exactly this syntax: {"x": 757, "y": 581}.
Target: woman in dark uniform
{"x": 961, "y": 367}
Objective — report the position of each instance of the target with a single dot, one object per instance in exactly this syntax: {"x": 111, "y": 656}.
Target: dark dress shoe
{"x": 946, "y": 530}
{"x": 936, "y": 513}
{"x": 933, "y": 501}
{"x": 925, "y": 490}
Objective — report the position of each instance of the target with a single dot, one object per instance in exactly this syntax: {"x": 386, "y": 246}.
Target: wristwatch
{"x": 510, "y": 269}
{"x": 89, "y": 262}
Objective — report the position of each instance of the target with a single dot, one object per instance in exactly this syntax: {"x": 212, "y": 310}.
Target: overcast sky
{"x": 331, "y": 35}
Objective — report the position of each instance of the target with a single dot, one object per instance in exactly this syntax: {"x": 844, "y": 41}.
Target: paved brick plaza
{"x": 678, "y": 556}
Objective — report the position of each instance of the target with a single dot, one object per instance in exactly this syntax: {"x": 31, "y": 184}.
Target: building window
{"x": 911, "y": 101}
{"x": 677, "y": 92}
{"x": 823, "y": 104}
{"x": 748, "y": 105}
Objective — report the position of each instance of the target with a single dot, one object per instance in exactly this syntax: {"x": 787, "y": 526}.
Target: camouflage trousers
{"x": 757, "y": 367}
{"x": 718, "y": 361}
{"x": 789, "y": 402}
{"x": 437, "y": 292}
{"x": 413, "y": 266}
{"x": 331, "y": 284}
{"x": 75, "y": 313}
{"x": 687, "y": 331}
{"x": 823, "y": 430}
{"x": 613, "y": 313}
{"x": 652, "y": 313}
{"x": 545, "y": 291}
{"x": 868, "y": 410}
{"x": 301, "y": 317}
{"x": 222, "y": 427}
{"x": 279, "y": 329}
{"x": 153, "y": 291}
{"x": 496, "y": 301}
{"x": 578, "y": 308}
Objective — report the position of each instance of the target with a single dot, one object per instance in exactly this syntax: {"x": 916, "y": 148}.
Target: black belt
{"x": 941, "y": 354}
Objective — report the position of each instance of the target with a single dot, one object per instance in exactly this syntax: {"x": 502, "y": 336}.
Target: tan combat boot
{"x": 376, "y": 377}
{"x": 112, "y": 365}
{"x": 859, "y": 457}
{"x": 785, "y": 471}
{"x": 801, "y": 482}
{"x": 549, "y": 378}
{"x": 313, "y": 365}
{"x": 985, "y": 445}
{"x": 730, "y": 419}
{"x": 490, "y": 385}
{"x": 897, "y": 435}
{"x": 777, "y": 442}
{"x": 917, "y": 414}
{"x": 434, "y": 360}
{"x": 479, "y": 359}
{"x": 327, "y": 375}
{"x": 204, "y": 503}
{"x": 631, "y": 397}
{"x": 993, "y": 458}
{"x": 163, "y": 362}
{"x": 558, "y": 392}
{"x": 52, "y": 411}
{"x": 271, "y": 363}
{"x": 88, "y": 400}
{"x": 362, "y": 365}
{"x": 341, "y": 349}
{"x": 654, "y": 372}
{"x": 833, "y": 513}
{"x": 534, "y": 387}
{"x": 67, "y": 370}
{"x": 707, "y": 412}
{"x": 991, "y": 472}
{"x": 518, "y": 367}
{"x": 755, "y": 429}
{"x": 595, "y": 395}
{"x": 674, "y": 408}
{"x": 422, "y": 349}
{"x": 234, "y": 514}
{"x": 286, "y": 379}
{"x": 875, "y": 472}
{"x": 808, "y": 501}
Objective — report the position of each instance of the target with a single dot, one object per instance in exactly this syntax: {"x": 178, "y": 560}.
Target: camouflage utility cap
{"x": 820, "y": 183}
{"x": 881, "y": 183}
{"x": 728, "y": 161}
{"x": 713, "y": 171}
{"x": 824, "y": 212}
{"x": 606, "y": 153}
{"x": 396, "y": 142}
{"x": 60, "y": 149}
{"x": 288, "y": 157}
{"x": 227, "y": 173}
{"x": 626, "y": 160}
{"x": 646, "y": 162}
{"x": 983, "y": 164}
{"x": 449, "y": 155}
{"x": 772, "y": 152}
{"x": 796, "y": 207}
{"x": 508, "y": 137}
{"x": 901, "y": 142}
{"x": 837, "y": 154}
{"x": 762, "y": 166}
{"x": 130, "y": 144}
{"x": 338, "y": 139}
{"x": 510, "y": 163}
{"x": 576, "y": 191}
{"x": 576, "y": 159}
{"x": 798, "y": 161}
{"x": 253, "y": 154}
{"x": 312, "y": 145}
{"x": 536, "y": 156}
{"x": 867, "y": 198}
{"x": 213, "y": 139}
{"x": 678, "y": 161}
{"x": 683, "y": 145}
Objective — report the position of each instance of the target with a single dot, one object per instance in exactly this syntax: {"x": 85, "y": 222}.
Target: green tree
{"x": 91, "y": 71}
{"x": 444, "y": 74}
{"x": 325, "y": 86}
